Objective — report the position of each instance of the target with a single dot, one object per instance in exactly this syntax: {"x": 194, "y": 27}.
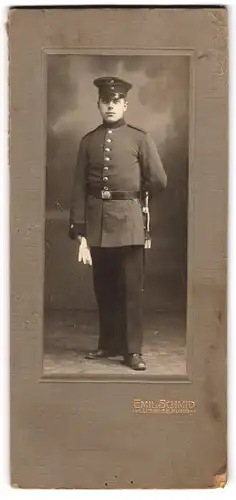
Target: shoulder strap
{"x": 137, "y": 128}
{"x": 91, "y": 132}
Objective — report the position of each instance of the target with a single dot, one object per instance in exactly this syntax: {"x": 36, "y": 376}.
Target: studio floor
{"x": 70, "y": 334}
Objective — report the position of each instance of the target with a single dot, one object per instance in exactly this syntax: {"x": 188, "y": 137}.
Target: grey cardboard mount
{"x": 86, "y": 434}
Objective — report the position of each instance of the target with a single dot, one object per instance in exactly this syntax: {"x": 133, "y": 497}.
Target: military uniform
{"x": 116, "y": 162}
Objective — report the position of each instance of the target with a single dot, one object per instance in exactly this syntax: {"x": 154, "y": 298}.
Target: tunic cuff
{"x": 77, "y": 229}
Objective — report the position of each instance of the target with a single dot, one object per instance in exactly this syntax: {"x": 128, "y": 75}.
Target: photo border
{"x": 80, "y": 435}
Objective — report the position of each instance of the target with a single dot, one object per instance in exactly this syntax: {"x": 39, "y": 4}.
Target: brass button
{"x": 107, "y": 158}
{"x": 105, "y": 178}
{"x": 107, "y": 149}
{"x": 108, "y": 140}
{"x": 105, "y": 168}
{"x": 106, "y": 188}
{"x": 109, "y": 131}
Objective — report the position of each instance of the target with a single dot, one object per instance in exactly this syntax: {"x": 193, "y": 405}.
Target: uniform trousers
{"x": 118, "y": 284}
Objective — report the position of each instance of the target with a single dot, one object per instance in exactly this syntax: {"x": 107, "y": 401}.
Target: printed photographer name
{"x": 163, "y": 406}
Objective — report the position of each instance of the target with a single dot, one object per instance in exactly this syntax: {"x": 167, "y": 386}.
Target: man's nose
{"x": 110, "y": 105}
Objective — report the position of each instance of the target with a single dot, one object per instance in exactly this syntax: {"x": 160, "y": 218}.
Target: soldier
{"x": 116, "y": 164}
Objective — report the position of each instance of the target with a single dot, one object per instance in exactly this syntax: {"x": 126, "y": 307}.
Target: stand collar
{"x": 117, "y": 124}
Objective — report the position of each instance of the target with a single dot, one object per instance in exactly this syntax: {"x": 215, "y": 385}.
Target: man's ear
{"x": 126, "y": 105}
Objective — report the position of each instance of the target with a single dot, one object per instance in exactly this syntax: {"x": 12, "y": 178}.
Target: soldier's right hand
{"x": 84, "y": 254}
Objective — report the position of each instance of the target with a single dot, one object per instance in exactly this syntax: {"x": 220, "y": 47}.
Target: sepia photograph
{"x": 116, "y": 215}
{"x": 118, "y": 225}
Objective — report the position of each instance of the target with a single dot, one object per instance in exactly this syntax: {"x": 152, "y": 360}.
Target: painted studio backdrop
{"x": 158, "y": 103}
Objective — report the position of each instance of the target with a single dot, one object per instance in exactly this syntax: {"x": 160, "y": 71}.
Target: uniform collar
{"x": 117, "y": 124}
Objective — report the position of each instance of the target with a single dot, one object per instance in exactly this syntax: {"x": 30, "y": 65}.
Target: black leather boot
{"x": 99, "y": 354}
{"x": 135, "y": 361}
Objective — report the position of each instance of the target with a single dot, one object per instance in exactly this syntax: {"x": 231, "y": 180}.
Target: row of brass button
{"x": 107, "y": 158}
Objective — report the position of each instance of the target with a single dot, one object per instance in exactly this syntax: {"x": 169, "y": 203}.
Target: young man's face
{"x": 112, "y": 111}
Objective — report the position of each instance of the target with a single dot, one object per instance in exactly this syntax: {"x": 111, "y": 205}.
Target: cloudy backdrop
{"x": 159, "y": 103}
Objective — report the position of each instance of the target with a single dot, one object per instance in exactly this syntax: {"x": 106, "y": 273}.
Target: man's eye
{"x": 115, "y": 101}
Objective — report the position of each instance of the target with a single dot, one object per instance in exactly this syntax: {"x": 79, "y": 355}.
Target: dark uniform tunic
{"x": 115, "y": 157}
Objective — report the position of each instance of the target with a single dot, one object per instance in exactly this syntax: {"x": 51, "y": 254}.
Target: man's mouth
{"x": 110, "y": 114}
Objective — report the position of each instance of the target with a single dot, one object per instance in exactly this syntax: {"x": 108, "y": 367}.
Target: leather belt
{"x": 106, "y": 194}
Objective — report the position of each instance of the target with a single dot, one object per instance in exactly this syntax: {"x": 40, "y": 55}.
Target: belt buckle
{"x": 106, "y": 195}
